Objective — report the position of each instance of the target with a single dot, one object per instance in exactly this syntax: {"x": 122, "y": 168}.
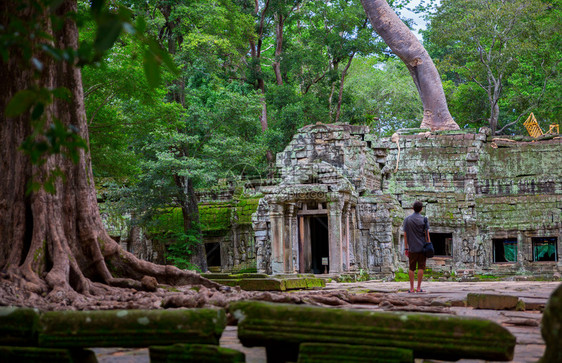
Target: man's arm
{"x": 406, "y": 251}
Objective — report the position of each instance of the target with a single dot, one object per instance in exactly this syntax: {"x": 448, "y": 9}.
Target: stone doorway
{"x": 213, "y": 252}
{"x": 319, "y": 244}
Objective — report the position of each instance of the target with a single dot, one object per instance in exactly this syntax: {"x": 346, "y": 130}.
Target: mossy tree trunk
{"x": 55, "y": 243}
{"x": 408, "y": 48}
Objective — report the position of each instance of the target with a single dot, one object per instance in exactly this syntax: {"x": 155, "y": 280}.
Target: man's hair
{"x": 418, "y": 206}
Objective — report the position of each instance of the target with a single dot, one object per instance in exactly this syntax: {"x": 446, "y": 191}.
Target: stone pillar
{"x": 335, "y": 236}
{"x": 277, "y": 238}
{"x": 353, "y": 238}
{"x": 345, "y": 242}
{"x": 290, "y": 237}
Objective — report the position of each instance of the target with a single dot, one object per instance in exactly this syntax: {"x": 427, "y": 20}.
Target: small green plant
{"x": 401, "y": 276}
{"x": 345, "y": 278}
{"x": 363, "y": 276}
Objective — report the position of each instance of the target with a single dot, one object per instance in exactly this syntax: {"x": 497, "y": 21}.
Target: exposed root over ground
{"x": 198, "y": 296}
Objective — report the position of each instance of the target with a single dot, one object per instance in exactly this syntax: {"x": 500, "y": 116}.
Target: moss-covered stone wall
{"x": 229, "y": 223}
{"x": 479, "y": 188}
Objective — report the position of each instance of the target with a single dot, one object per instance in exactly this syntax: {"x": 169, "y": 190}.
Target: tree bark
{"x": 342, "y": 81}
{"x": 279, "y": 23}
{"x": 190, "y": 214}
{"x": 56, "y": 243}
{"x": 408, "y": 48}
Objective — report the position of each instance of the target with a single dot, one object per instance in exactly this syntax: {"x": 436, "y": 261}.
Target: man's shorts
{"x": 417, "y": 258}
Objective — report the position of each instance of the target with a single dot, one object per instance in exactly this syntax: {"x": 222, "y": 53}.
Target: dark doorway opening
{"x": 442, "y": 243}
{"x": 319, "y": 243}
{"x": 545, "y": 249}
{"x": 213, "y": 252}
{"x": 505, "y": 249}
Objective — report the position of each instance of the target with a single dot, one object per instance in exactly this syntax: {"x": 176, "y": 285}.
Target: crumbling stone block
{"x": 18, "y": 326}
{"x": 262, "y": 284}
{"x": 336, "y": 353}
{"x": 281, "y": 328}
{"x": 202, "y": 353}
{"x": 551, "y": 328}
{"x": 492, "y": 301}
{"x": 46, "y": 355}
{"x": 130, "y": 328}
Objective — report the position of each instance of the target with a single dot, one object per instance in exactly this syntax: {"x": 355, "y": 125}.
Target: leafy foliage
{"x": 501, "y": 59}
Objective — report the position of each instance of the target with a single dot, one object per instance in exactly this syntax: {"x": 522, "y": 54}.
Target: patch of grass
{"x": 401, "y": 276}
{"x": 487, "y": 277}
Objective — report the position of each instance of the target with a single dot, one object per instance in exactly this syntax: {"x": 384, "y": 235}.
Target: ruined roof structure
{"x": 494, "y": 204}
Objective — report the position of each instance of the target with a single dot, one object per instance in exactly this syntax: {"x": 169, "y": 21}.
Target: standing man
{"x": 416, "y": 233}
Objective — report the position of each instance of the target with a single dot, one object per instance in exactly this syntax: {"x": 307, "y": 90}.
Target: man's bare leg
{"x": 411, "y": 276}
{"x": 420, "y": 277}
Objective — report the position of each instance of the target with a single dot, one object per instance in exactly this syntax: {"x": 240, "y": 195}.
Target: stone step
{"x": 337, "y": 353}
{"x": 130, "y": 328}
{"x": 18, "y": 326}
{"x": 46, "y": 355}
{"x": 494, "y": 301}
{"x": 282, "y": 327}
{"x": 201, "y": 353}
{"x": 262, "y": 282}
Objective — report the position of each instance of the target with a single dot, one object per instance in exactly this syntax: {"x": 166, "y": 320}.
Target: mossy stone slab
{"x": 303, "y": 283}
{"x": 262, "y": 284}
{"x": 130, "y": 328}
{"x": 337, "y": 353}
{"x": 202, "y": 353}
{"x": 18, "y": 326}
{"x": 433, "y": 336}
{"x": 46, "y": 355}
{"x": 492, "y": 301}
{"x": 551, "y": 328}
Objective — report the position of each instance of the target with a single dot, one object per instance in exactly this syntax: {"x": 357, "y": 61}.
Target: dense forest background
{"x": 250, "y": 73}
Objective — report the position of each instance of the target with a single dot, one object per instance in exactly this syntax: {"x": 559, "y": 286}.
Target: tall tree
{"x": 53, "y": 241}
{"x": 508, "y": 49}
{"x": 408, "y": 48}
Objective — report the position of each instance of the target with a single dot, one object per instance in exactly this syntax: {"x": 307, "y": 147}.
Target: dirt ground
{"x": 525, "y": 325}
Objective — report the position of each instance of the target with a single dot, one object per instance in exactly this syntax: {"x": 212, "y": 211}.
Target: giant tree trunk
{"x": 56, "y": 243}
{"x": 191, "y": 224}
{"x": 405, "y": 45}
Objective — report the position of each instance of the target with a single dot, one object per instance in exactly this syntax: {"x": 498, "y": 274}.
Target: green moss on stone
{"x": 18, "y": 326}
{"x": 551, "y": 328}
{"x": 432, "y": 336}
{"x": 130, "y": 328}
{"x": 45, "y": 355}
{"x": 336, "y": 353}
{"x": 195, "y": 353}
{"x": 262, "y": 284}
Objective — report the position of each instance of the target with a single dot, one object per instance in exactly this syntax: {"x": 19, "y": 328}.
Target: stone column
{"x": 345, "y": 240}
{"x": 290, "y": 237}
{"x": 277, "y": 238}
{"x": 335, "y": 236}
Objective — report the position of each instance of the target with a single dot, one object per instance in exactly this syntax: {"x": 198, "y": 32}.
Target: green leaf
{"x": 96, "y": 6}
{"x": 140, "y": 25}
{"x": 151, "y": 69}
{"x": 20, "y": 103}
{"x": 62, "y": 93}
{"x": 169, "y": 62}
{"x": 37, "y": 111}
{"x": 109, "y": 28}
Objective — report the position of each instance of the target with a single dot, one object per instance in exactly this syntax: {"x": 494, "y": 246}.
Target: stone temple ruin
{"x": 494, "y": 204}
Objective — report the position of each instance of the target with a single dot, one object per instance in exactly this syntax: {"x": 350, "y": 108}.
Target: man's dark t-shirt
{"x": 415, "y": 226}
